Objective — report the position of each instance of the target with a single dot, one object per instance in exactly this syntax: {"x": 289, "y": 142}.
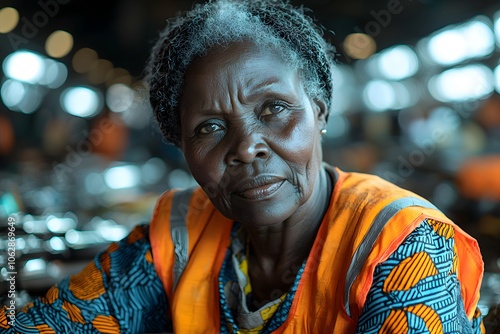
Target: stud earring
{"x": 323, "y": 131}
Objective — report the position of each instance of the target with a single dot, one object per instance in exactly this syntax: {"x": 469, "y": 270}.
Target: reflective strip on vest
{"x": 178, "y": 231}
{"x": 366, "y": 245}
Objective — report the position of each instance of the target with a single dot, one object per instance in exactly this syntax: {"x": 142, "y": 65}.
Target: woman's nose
{"x": 246, "y": 147}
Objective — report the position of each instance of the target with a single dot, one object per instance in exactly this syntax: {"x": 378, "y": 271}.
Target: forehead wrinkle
{"x": 210, "y": 102}
{"x": 255, "y": 86}
{"x": 234, "y": 93}
{"x": 280, "y": 77}
{"x": 218, "y": 99}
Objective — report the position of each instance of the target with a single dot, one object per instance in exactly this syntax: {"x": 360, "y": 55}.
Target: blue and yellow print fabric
{"x": 118, "y": 292}
{"x": 416, "y": 290}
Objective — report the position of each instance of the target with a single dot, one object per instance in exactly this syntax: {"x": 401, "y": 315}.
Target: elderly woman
{"x": 273, "y": 240}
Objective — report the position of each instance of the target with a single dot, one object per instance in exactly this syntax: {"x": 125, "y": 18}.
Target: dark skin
{"x": 251, "y": 138}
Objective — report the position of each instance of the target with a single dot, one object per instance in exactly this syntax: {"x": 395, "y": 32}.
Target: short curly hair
{"x": 221, "y": 22}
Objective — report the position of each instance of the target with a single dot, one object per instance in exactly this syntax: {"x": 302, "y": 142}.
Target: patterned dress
{"x": 415, "y": 291}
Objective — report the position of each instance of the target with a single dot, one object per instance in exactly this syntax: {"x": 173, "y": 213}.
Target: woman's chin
{"x": 264, "y": 207}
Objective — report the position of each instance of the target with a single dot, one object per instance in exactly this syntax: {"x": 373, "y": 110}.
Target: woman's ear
{"x": 322, "y": 112}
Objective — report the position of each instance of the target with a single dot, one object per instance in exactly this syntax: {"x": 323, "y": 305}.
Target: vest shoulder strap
{"x": 365, "y": 247}
{"x": 179, "y": 232}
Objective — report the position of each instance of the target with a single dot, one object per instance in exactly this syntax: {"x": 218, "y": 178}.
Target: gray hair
{"x": 273, "y": 23}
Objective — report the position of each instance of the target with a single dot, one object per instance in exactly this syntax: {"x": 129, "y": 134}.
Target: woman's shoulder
{"x": 177, "y": 206}
{"x": 363, "y": 193}
{"x": 364, "y": 183}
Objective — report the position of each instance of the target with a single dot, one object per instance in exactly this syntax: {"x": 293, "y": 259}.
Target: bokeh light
{"x": 60, "y": 224}
{"x": 59, "y": 44}
{"x": 81, "y": 101}
{"x": 34, "y": 265}
{"x": 359, "y": 45}
{"x": 469, "y": 40}
{"x": 55, "y": 74}
{"x": 379, "y": 95}
{"x": 56, "y": 244}
{"x": 480, "y": 37}
{"x": 99, "y": 70}
{"x": 470, "y": 82}
{"x": 112, "y": 232}
{"x": 12, "y": 93}
{"x": 398, "y": 62}
{"x": 19, "y": 96}
{"x": 119, "y": 97}
{"x": 25, "y": 66}
{"x": 120, "y": 177}
{"x": 29, "y": 67}
{"x": 9, "y": 18}
{"x": 448, "y": 47}
{"x": 83, "y": 59}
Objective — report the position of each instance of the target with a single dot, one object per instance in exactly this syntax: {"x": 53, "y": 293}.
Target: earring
{"x": 323, "y": 131}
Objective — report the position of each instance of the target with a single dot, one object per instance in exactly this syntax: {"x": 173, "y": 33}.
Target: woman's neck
{"x": 277, "y": 252}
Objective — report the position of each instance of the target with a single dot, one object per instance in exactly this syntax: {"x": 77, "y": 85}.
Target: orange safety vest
{"x": 367, "y": 219}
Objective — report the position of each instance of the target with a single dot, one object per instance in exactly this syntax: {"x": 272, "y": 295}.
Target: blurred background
{"x": 81, "y": 162}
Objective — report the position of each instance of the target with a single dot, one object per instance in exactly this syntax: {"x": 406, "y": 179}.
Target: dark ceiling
{"x": 123, "y": 31}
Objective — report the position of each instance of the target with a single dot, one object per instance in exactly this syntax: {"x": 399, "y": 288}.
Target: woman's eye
{"x": 272, "y": 109}
{"x": 210, "y": 128}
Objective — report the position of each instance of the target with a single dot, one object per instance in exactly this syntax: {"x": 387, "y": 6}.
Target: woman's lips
{"x": 260, "y": 187}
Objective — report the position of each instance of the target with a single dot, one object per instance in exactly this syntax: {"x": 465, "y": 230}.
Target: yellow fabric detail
{"x": 409, "y": 272}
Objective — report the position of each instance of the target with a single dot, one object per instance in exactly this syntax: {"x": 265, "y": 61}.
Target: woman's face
{"x": 251, "y": 134}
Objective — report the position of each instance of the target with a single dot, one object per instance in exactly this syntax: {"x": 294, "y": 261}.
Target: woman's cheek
{"x": 297, "y": 140}
{"x": 208, "y": 173}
